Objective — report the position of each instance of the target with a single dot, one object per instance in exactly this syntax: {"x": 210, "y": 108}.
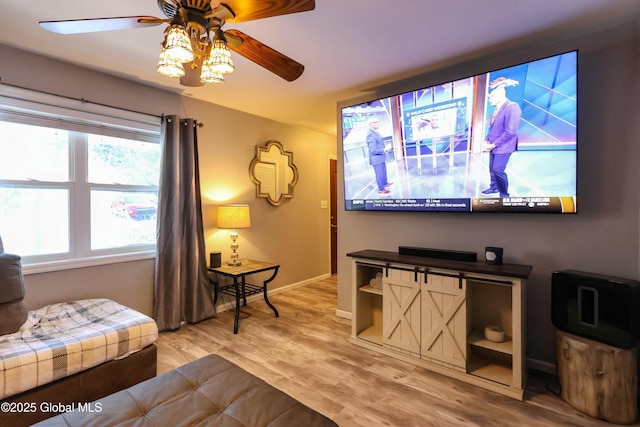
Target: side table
{"x": 240, "y": 287}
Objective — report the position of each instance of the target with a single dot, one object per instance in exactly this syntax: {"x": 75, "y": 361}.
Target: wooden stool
{"x": 598, "y": 379}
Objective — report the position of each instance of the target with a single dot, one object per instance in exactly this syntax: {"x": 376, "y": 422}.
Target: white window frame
{"x": 37, "y": 108}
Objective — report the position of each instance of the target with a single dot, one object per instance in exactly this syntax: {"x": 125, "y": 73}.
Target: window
{"x": 76, "y": 188}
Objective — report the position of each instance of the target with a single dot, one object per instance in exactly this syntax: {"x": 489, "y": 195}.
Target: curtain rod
{"x": 83, "y": 100}
{"x": 195, "y": 122}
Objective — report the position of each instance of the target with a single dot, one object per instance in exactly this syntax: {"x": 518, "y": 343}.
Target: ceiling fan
{"x": 195, "y": 47}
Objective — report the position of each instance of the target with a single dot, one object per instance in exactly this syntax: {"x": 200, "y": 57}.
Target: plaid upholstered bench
{"x": 210, "y": 391}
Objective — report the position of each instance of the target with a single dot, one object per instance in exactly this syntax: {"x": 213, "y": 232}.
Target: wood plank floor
{"x": 306, "y": 353}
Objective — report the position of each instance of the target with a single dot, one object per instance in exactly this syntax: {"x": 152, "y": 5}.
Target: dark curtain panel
{"x": 182, "y": 292}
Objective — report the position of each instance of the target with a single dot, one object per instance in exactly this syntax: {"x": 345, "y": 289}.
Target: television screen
{"x": 502, "y": 141}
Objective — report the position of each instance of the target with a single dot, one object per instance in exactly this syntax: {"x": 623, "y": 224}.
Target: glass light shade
{"x": 177, "y": 44}
{"x": 234, "y": 216}
{"x": 207, "y": 74}
{"x": 168, "y": 67}
{"x": 221, "y": 57}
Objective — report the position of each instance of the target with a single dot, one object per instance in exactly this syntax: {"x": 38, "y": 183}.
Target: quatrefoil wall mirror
{"x": 273, "y": 173}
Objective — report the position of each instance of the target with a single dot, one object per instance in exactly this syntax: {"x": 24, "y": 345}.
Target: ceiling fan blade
{"x": 263, "y": 55}
{"x": 77, "y": 26}
{"x": 258, "y": 9}
{"x": 191, "y": 76}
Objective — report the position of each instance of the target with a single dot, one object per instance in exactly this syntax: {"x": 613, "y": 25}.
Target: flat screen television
{"x": 500, "y": 141}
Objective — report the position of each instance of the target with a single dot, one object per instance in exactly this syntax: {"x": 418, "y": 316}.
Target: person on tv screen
{"x": 378, "y": 155}
{"x": 502, "y": 138}
{"x": 428, "y": 126}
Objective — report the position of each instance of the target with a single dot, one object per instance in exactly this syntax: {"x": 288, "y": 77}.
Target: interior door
{"x": 333, "y": 182}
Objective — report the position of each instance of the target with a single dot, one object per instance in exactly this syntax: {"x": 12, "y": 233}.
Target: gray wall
{"x": 296, "y": 234}
{"x": 602, "y": 238}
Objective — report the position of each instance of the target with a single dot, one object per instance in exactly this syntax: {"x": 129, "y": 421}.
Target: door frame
{"x": 333, "y": 214}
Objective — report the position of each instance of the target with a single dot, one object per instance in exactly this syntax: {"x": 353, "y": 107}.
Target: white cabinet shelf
{"x": 367, "y": 322}
{"x": 477, "y": 339}
{"x": 433, "y": 312}
{"x": 370, "y": 289}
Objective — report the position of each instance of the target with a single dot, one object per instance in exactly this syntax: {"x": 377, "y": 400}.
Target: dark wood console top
{"x": 508, "y": 270}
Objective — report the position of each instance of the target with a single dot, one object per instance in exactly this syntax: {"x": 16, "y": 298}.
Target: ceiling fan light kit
{"x": 195, "y": 48}
{"x": 196, "y": 34}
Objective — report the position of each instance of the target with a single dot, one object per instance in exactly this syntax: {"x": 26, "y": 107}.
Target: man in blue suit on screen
{"x": 378, "y": 155}
{"x": 502, "y": 138}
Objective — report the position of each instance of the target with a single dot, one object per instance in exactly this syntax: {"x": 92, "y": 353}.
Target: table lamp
{"x": 234, "y": 217}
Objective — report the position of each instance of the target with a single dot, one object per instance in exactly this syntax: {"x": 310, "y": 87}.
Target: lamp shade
{"x": 234, "y": 216}
{"x": 221, "y": 58}
{"x": 177, "y": 44}
{"x": 168, "y": 67}
{"x": 207, "y": 74}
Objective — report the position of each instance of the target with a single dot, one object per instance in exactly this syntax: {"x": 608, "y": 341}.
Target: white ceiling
{"x": 346, "y": 46}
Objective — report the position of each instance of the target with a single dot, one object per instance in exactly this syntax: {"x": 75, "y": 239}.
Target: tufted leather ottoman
{"x": 210, "y": 391}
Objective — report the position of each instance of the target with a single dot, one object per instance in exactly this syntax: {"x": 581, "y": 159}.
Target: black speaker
{"x": 493, "y": 255}
{"x": 602, "y": 308}
{"x": 215, "y": 259}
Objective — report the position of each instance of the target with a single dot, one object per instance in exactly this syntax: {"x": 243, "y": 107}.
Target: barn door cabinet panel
{"x": 433, "y": 313}
{"x": 444, "y": 320}
{"x": 401, "y": 310}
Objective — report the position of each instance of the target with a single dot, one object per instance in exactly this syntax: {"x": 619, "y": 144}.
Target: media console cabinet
{"x": 433, "y": 312}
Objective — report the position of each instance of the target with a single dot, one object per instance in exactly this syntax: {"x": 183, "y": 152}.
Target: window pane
{"x": 34, "y": 221}
{"x": 123, "y": 161}
{"x": 122, "y": 218}
{"x": 33, "y": 152}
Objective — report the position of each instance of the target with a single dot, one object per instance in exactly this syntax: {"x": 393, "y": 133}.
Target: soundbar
{"x": 438, "y": 253}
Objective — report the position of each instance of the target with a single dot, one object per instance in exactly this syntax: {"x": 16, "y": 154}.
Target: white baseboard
{"x": 258, "y": 297}
{"x": 344, "y": 314}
